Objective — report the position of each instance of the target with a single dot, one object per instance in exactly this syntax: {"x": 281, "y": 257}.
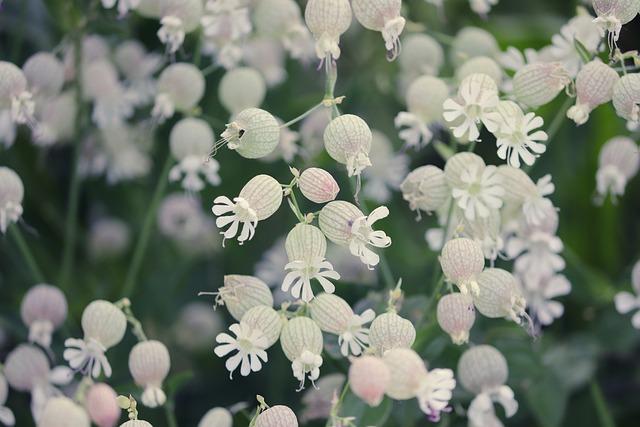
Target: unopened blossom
{"x": 389, "y": 331}
{"x": 11, "y": 195}
{"x": 626, "y": 97}
{"x": 14, "y": 95}
{"x": 425, "y": 189}
{"x": 477, "y": 97}
{"x": 347, "y": 139}
{"x": 499, "y": 296}
{"x": 318, "y": 185}
{"x": 475, "y": 187}
{"x": 462, "y": 260}
{"x": 613, "y": 14}
{"x": 6, "y": 415}
{"x": 470, "y": 42}
{"x": 482, "y": 7}
{"x": 241, "y": 293}
{"x": 149, "y": 364}
{"x": 258, "y": 200}
{"x": 344, "y": 224}
{"x": 582, "y": 29}
{"x": 43, "y": 310}
{"x": 483, "y": 370}
{"x": 191, "y": 141}
{"x": 138, "y": 66}
{"x": 108, "y": 237}
{"x": 627, "y": 302}
{"x": 180, "y": 87}
{"x": 277, "y": 416}
{"x": 61, "y": 410}
{"x": 253, "y": 133}
{"x": 421, "y": 54}
{"x": 383, "y": 16}
{"x": 318, "y": 402}
{"x": 217, "y": 417}
{"x": 104, "y": 326}
{"x": 45, "y": 74}
{"x": 249, "y": 344}
{"x": 456, "y": 315}
{"x": 518, "y": 135}
{"x": 327, "y": 20}
{"x": 306, "y": 247}
{"x": 301, "y": 341}
{"x": 123, "y": 5}
{"x": 539, "y": 83}
{"x": 368, "y": 379}
{"x": 594, "y": 87}
{"x": 334, "y": 315}
{"x": 101, "y": 405}
{"x": 540, "y": 293}
{"x": 618, "y": 162}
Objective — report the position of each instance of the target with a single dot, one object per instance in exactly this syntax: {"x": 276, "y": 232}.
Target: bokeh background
{"x": 591, "y": 348}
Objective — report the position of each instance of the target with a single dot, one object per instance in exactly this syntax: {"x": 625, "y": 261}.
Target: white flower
{"x": 536, "y": 208}
{"x": 512, "y": 59}
{"x": 481, "y": 411}
{"x": 362, "y": 234}
{"x": 581, "y": 28}
{"x": 481, "y": 191}
{"x": 537, "y": 254}
{"x": 240, "y": 212}
{"x": 303, "y": 271}
{"x": 539, "y": 293}
{"x": 225, "y": 21}
{"x": 356, "y": 337}
{"x": 188, "y": 171}
{"x": 171, "y": 33}
{"x": 517, "y": 136}
{"x": 123, "y": 5}
{"x": 435, "y": 391}
{"x": 417, "y": 134}
{"x": 482, "y": 7}
{"x": 250, "y": 345}
{"x": 23, "y": 108}
{"x": 626, "y": 301}
{"x": 87, "y": 356}
{"x": 477, "y": 96}
{"x": 307, "y": 363}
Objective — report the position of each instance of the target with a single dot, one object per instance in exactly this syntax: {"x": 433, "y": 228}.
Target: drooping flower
{"x": 43, "y": 310}
{"x": 626, "y": 302}
{"x": 383, "y": 16}
{"x": 425, "y": 188}
{"x": 499, "y": 296}
{"x": 434, "y": 393}
{"x": 241, "y": 88}
{"x": 539, "y": 83}
{"x": 318, "y": 185}
{"x": 180, "y": 87}
{"x": 347, "y": 139}
{"x": 253, "y": 133}
{"x": 11, "y": 195}
{"x": 456, "y": 315}
{"x": 101, "y": 405}
{"x": 540, "y": 293}
{"x": 613, "y": 14}
{"x": 277, "y": 416}
{"x": 462, "y": 261}
{"x": 327, "y": 20}
{"x": 301, "y": 341}
{"x": 619, "y": 161}
{"x": 61, "y": 410}
{"x": 149, "y": 365}
{"x": 249, "y": 344}
{"x": 389, "y": 331}
{"x": 14, "y": 95}
{"x": 594, "y": 87}
{"x": 368, "y": 378}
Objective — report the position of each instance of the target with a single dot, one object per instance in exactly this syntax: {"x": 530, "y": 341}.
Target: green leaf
{"x": 547, "y": 399}
{"x": 365, "y": 416}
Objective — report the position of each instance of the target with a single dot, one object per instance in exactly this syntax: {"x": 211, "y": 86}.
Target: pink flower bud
{"x": 62, "y": 411}
{"x": 318, "y": 185}
{"x": 368, "y": 379}
{"x": 102, "y": 406}
{"x": 407, "y": 371}
{"x": 43, "y": 310}
{"x": 456, "y": 316}
{"x": 462, "y": 260}
{"x": 277, "y": 416}
{"x": 539, "y": 83}
{"x": 594, "y": 87}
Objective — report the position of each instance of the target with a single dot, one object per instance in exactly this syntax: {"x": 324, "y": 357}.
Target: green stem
{"x": 606, "y": 419}
{"x": 336, "y": 407}
{"x": 26, "y": 253}
{"x": 302, "y": 116}
{"x": 169, "y": 413}
{"x": 143, "y": 241}
{"x": 295, "y": 208}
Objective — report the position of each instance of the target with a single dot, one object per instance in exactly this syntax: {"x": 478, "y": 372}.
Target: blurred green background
{"x": 554, "y": 377}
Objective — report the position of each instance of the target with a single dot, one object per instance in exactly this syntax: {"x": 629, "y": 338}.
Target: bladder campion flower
{"x": 101, "y": 405}
{"x": 180, "y": 87}
{"x": 499, "y": 296}
{"x": 619, "y": 161}
{"x": 347, "y": 139}
{"x": 250, "y": 345}
{"x": 626, "y": 97}
{"x": 11, "y": 195}
{"x": 61, "y": 410}
{"x": 462, "y": 261}
{"x": 425, "y": 188}
{"x": 539, "y": 83}
{"x": 369, "y": 376}
{"x": 277, "y": 416}
{"x": 253, "y": 133}
{"x": 14, "y": 95}
{"x": 301, "y": 341}
{"x": 43, "y": 310}
{"x": 241, "y": 88}
{"x": 594, "y": 87}
{"x": 456, "y": 315}
{"x": 383, "y": 16}
{"x": 149, "y": 364}
{"x": 389, "y": 330}
{"x": 318, "y": 185}
{"x": 241, "y": 293}
{"x": 613, "y": 14}
{"x": 327, "y": 20}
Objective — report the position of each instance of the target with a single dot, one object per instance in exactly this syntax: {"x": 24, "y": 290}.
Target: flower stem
{"x": 26, "y": 253}
{"x": 143, "y": 241}
{"x": 335, "y": 408}
{"x": 302, "y": 116}
{"x": 606, "y": 419}
{"x": 169, "y": 413}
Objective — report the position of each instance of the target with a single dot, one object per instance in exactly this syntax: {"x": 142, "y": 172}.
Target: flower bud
{"x": 304, "y": 242}
{"x": 499, "y": 295}
{"x": 277, "y": 416}
{"x": 264, "y": 195}
{"x": 101, "y": 405}
{"x": 336, "y": 219}
{"x": 318, "y": 185}
{"x": 626, "y": 97}
{"x": 425, "y": 188}
{"x": 327, "y": 20}
{"x": 383, "y": 16}
{"x": 26, "y": 367}
{"x": 241, "y": 88}
{"x": 369, "y": 377}
{"x": 267, "y": 320}
{"x": 482, "y": 65}
{"x": 471, "y": 42}
{"x": 43, "y": 310}
{"x": 347, "y": 139}
{"x": 425, "y": 97}
{"x": 272, "y": 17}
{"x": 44, "y": 73}
{"x": 331, "y": 313}
{"x": 407, "y": 370}
{"x": 191, "y": 137}
{"x": 456, "y": 316}
{"x": 594, "y": 87}
{"x": 217, "y": 417}
{"x": 539, "y": 83}
{"x": 389, "y": 331}
{"x": 11, "y": 195}
{"x": 241, "y": 293}
{"x": 462, "y": 260}
{"x": 136, "y": 423}
{"x": 482, "y": 367}
{"x": 254, "y": 133}
{"x": 182, "y": 84}
{"x": 62, "y": 411}
{"x": 300, "y": 334}
{"x": 104, "y": 322}
{"x": 149, "y": 364}
{"x": 421, "y": 54}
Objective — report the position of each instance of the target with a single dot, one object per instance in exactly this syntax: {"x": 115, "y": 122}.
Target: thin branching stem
{"x": 29, "y": 259}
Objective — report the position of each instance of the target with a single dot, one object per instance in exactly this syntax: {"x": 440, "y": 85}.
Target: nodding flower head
{"x": 318, "y": 185}
{"x": 14, "y": 95}
{"x": 619, "y": 161}
{"x": 389, "y": 331}
{"x": 45, "y": 74}
{"x": 594, "y": 87}
{"x": 104, "y": 326}
{"x": 101, "y": 405}
{"x": 149, "y": 364}
{"x": 456, "y": 315}
{"x": 277, "y": 416}
{"x": 499, "y": 296}
{"x": 26, "y": 368}
{"x": 61, "y": 410}
{"x": 613, "y": 14}
{"x": 258, "y": 200}
{"x": 344, "y": 224}
{"x": 347, "y": 139}
{"x": 383, "y": 16}
{"x": 253, "y": 133}
{"x": 327, "y": 20}
{"x": 539, "y": 83}
{"x": 11, "y": 195}
{"x": 301, "y": 341}
{"x": 180, "y": 88}
{"x": 43, "y": 310}
{"x": 407, "y": 370}
{"x": 462, "y": 260}
{"x": 626, "y": 97}
{"x": 422, "y": 54}
{"x": 480, "y": 65}
{"x": 425, "y": 188}
{"x": 471, "y": 42}
{"x": 241, "y": 88}
{"x": 241, "y": 293}
{"x": 369, "y": 376}
{"x": 217, "y": 417}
